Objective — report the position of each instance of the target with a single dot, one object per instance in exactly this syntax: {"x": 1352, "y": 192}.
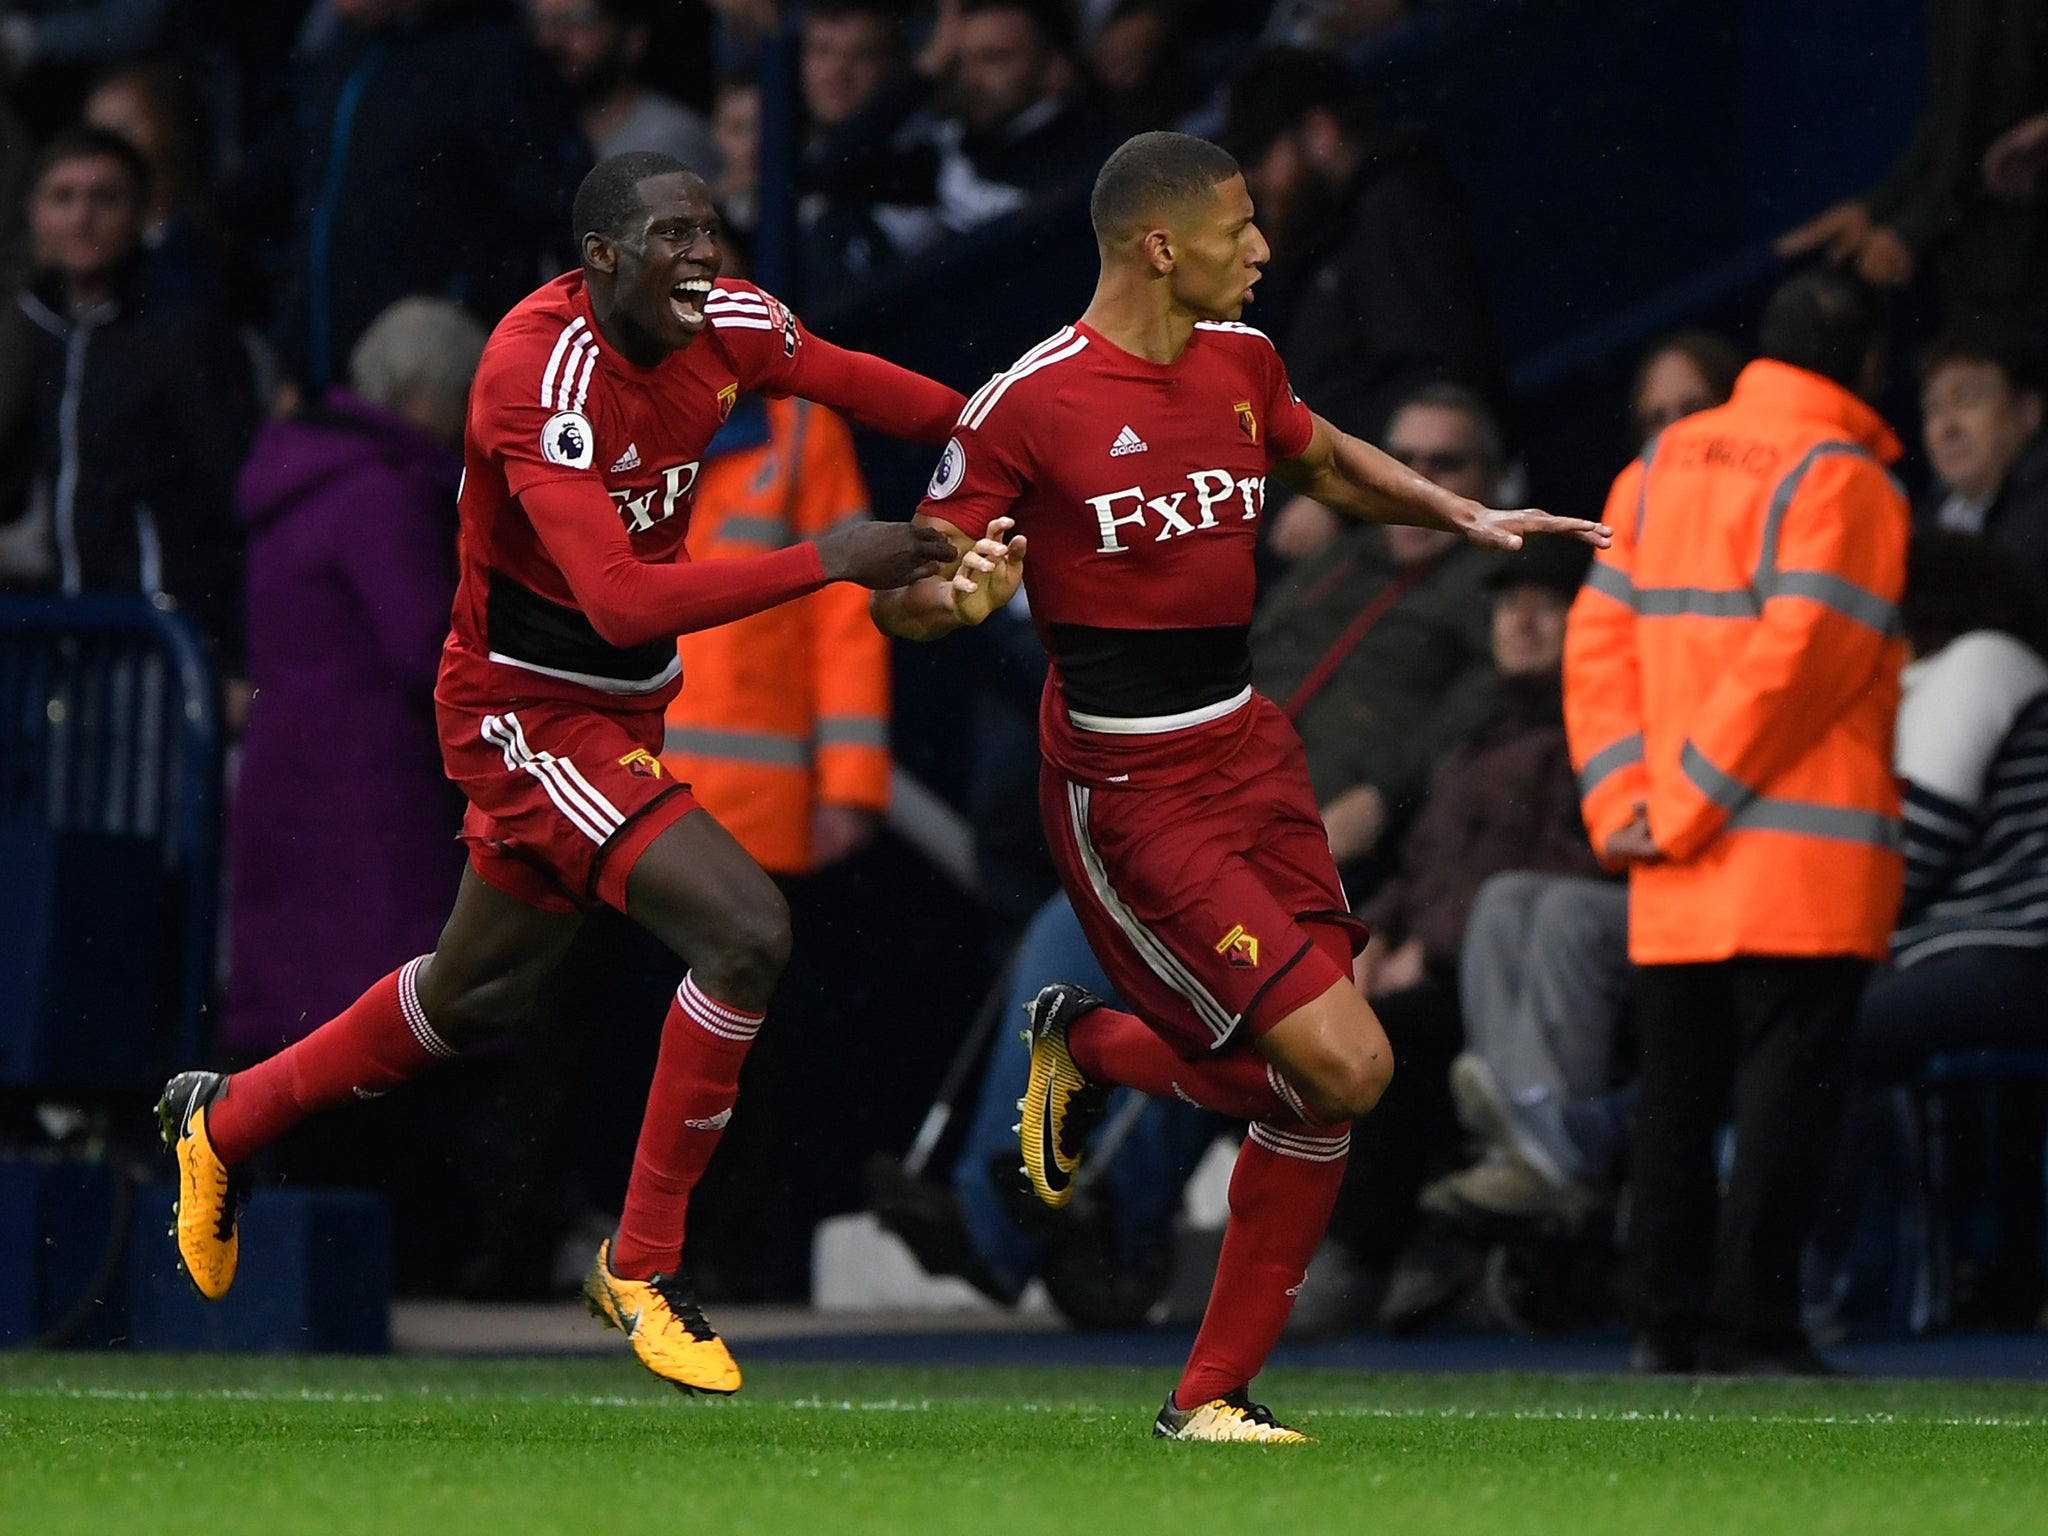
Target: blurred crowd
{"x": 256, "y": 251}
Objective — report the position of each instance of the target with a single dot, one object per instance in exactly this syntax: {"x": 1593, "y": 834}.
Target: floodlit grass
{"x": 218, "y": 1447}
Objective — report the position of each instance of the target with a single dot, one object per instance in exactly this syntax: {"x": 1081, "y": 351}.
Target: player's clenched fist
{"x": 884, "y": 555}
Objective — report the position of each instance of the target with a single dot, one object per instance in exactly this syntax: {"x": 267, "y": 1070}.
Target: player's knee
{"x": 751, "y": 949}
{"x": 1348, "y": 1086}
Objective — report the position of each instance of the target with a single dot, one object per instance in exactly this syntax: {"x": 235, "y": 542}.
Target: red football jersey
{"x": 554, "y": 402}
{"x": 1140, "y": 486}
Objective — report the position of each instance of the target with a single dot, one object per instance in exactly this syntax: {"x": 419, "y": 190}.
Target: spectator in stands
{"x": 1981, "y": 412}
{"x": 1731, "y": 680}
{"x": 154, "y": 106}
{"x": 989, "y": 119}
{"x": 144, "y": 404}
{"x": 1969, "y": 958}
{"x": 850, "y": 50}
{"x": 1685, "y": 372}
{"x": 598, "y": 48}
{"x": 1957, "y": 197}
{"x": 1375, "y": 284}
{"x": 433, "y": 152}
{"x": 1139, "y": 56}
{"x": 736, "y": 125}
{"x": 1503, "y": 798}
{"x": 1379, "y": 650}
{"x": 343, "y": 820}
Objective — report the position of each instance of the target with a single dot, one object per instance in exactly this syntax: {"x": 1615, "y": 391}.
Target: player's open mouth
{"x": 686, "y": 301}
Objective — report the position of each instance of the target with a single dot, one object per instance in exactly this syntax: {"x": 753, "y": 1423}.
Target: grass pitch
{"x": 225, "y": 1446}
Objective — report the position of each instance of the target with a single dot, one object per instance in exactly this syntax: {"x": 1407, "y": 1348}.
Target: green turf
{"x": 218, "y": 1447}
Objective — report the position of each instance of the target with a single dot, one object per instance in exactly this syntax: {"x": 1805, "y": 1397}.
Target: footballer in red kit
{"x": 1131, "y": 452}
{"x": 589, "y": 417}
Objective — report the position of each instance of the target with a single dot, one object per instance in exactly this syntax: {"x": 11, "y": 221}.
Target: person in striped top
{"x": 1969, "y": 957}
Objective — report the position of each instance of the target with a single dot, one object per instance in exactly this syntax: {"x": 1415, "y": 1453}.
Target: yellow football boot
{"x": 1061, "y": 1106}
{"x": 210, "y": 1193}
{"x": 1231, "y": 1417}
{"x": 661, "y": 1318}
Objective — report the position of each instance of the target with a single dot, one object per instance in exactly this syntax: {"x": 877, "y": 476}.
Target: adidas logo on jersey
{"x": 630, "y": 459}
{"x": 1127, "y": 441}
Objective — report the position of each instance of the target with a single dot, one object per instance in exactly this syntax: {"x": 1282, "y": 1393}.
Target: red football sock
{"x": 377, "y": 1042}
{"x": 1281, "y": 1194}
{"x": 1114, "y": 1047}
{"x": 696, "y": 1080}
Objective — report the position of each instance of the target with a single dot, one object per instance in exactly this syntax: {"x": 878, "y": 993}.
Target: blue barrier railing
{"x": 110, "y": 839}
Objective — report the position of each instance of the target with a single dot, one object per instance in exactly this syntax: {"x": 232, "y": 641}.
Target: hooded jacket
{"x": 341, "y": 838}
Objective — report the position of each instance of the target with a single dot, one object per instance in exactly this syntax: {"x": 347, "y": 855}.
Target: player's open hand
{"x": 1496, "y": 528}
{"x": 989, "y": 573}
{"x": 884, "y": 555}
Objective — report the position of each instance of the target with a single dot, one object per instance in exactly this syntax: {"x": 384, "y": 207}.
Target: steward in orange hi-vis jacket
{"x": 1732, "y": 665}
{"x": 789, "y": 709}
{"x": 1731, "y": 677}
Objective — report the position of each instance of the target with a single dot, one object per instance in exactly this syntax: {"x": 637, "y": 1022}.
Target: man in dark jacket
{"x": 1377, "y": 647}
{"x": 433, "y": 152}
{"x": 143, "y": 405}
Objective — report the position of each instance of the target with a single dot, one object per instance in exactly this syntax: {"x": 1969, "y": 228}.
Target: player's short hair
{"x": 419, "y": 344}
{"x": 1149, "y": 174}
{"x": 609, "y": 198}
{"x": 84, "y": 142}
{"x": 1825, "y": 321}
{"x": 2013, "y": 358}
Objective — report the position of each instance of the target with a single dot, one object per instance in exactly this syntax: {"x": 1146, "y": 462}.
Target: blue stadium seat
{"x": 110, "y": 791}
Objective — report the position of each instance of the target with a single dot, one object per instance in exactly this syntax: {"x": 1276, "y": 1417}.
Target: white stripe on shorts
{"x": 592, "y": 815}
{"x": 1160, "y": 960}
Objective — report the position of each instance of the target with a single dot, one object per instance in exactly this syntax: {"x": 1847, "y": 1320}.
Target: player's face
{"x": 665, "y": 266}
{"x": 1218, "y": 251}
{"x": 83, "y": 217}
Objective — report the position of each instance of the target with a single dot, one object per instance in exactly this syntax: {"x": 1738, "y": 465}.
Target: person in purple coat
{"x": 341, "y": 835}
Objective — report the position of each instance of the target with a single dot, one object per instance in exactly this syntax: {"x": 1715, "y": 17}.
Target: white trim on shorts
{"x": 1160, "y": 960}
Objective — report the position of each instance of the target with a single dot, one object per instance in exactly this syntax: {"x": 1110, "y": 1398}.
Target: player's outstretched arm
{"x": 875, "y": 392}
{"x": 1353, "y": 477}
{"x": 630, "y": 602}
{"x": 982, "y": 577}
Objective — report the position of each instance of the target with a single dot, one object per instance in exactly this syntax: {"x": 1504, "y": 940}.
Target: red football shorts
{"x": 1212, "y": 904}
{"x": 563, "y": 799}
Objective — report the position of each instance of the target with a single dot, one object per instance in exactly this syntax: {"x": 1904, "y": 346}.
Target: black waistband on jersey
{"x": 1141, "y": 673}
{"x": 523, "y": 627}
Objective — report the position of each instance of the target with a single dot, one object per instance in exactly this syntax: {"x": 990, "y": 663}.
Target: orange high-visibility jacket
{"x": 788, "y": 708}
{"x": 1732, "y": 663}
